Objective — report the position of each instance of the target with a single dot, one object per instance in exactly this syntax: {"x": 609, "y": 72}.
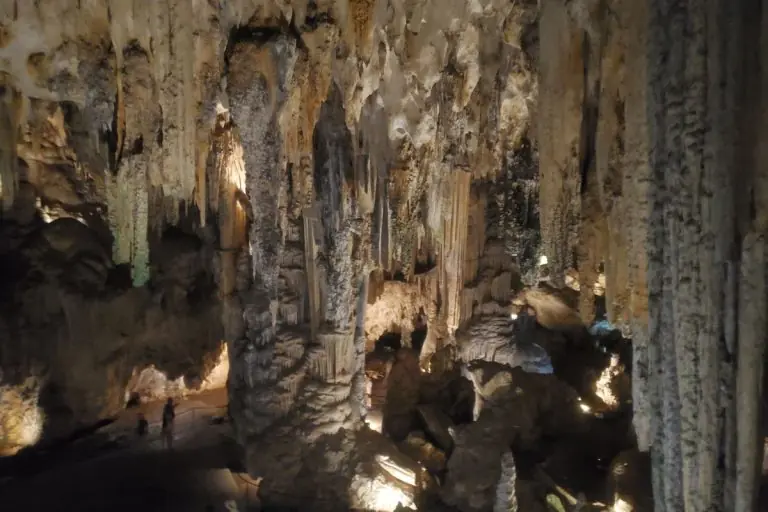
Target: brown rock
{"x": 436, "y": 424}
{"x": 421, "y": 450}
{"x": 402, "y": 394}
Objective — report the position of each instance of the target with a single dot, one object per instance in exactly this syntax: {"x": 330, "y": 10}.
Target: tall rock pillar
{"x": 706, "y": 252}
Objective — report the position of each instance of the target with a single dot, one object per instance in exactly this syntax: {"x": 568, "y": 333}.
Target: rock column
{"x": 706, "y": 252}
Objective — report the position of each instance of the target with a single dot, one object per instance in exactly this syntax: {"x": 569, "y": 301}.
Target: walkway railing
{"x": 181, "y": 427}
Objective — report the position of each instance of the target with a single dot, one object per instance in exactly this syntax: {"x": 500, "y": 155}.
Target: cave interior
{"x": 449, "y": 255}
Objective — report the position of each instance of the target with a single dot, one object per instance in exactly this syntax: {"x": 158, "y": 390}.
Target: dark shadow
{"x": 422, "y": 267}
{"x": 417, "y": 338}
{"x": 419, "y": 333}
{"x": 389, "y": 342}
{"x": 601, "y": 310}
{"x": 394, "y": 276}
{"x": 133, "y": 401}
{"x": 119, "y": 480}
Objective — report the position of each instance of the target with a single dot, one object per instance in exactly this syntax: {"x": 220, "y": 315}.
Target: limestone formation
{"x": 650, "y": 169}
{"x": 506, "y": 495}
{"x": 295, "y": 183}
{"x": 518, "y": 408}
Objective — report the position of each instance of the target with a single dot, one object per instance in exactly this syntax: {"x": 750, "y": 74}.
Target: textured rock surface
{"x": 298, "y": 178}
{"x": 69, "y": 321}
{"x": 649, "y": 117}
{"x": 494, "y": 339}
{"x": 518, "y": 409}
{"x": 506, "y": 492}
{"x": 318, "y": 149}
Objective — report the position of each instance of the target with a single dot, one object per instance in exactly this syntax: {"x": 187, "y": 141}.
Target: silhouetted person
{"x": 169, "y": 417}
{"x": 143, "y": 426}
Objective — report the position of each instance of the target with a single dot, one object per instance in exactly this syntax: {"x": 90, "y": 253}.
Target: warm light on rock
{"x": 151, "y": 384}
{"x": 21, "y": 419}
{"x": 621, "y": 506}
{"x": 405, "y": 475}
{"x": 373, "y": 419}
{"x": 603, "y": 385}
{"x": 378, "y": 495}
{"x": 329, "y": 186}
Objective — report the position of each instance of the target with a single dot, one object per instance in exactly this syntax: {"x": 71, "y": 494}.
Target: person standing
{"x": 169, "y": 418}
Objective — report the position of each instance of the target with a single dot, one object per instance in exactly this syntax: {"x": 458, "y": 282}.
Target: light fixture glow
{"x": 603, "y": 385}
{"x": 374, "y": 419}
{"x": 543, "y": 260}
{"x": 387, "y": 497}
{"x": 621, "y": 506}
{"x": 395, "y": 470}
{"x": 376, "y": 493}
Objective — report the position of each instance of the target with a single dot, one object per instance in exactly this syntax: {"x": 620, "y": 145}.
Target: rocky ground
{"x": 557, "y": 398}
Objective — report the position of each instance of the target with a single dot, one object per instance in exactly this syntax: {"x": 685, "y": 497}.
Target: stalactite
{"x": 128, "y": 203}
{"x": 562, "y": 82}
{"x": 10, "y": 107}
{"x": 453, "y": 245}
{"x": 226, "y": 198}
{"x": 506, "y": 493}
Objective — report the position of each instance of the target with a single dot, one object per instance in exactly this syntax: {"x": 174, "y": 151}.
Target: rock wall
{"x": 302, "y": 146}
{"x": 650, "y": 172}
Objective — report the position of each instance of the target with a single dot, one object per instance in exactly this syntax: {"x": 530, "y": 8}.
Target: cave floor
{"x": 139, "y": 475}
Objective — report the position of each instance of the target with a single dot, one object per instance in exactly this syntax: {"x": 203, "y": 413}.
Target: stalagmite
{"x": 9, "y": 125}
{"x": 506, "y": 495}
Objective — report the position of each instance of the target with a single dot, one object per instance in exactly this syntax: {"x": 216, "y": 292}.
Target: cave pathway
{"x": 195, "y": 475}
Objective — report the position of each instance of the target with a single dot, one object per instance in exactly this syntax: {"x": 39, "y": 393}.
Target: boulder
{"x": 495, "y": 339}
{"x": 518, "y": 409}
{"x": 436, "y": 423}
{"x": 418, "y": 448}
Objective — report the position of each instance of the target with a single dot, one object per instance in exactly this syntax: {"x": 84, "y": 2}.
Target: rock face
{"x": 518, "y": 408}
{"x": 70, "y": 323}
{"x": 315, "y": 151}
{"x": 649, "y": 117}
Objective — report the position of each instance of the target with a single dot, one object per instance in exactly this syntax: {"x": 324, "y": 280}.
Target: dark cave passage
{"x": 424, "y": 266}
{"x": 417, "y": 338}
{"x": 419, "y": 334}
{"x": 389, "y": 342}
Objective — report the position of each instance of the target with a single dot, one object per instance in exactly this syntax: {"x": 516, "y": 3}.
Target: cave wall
{"x": 296, "y": 178}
